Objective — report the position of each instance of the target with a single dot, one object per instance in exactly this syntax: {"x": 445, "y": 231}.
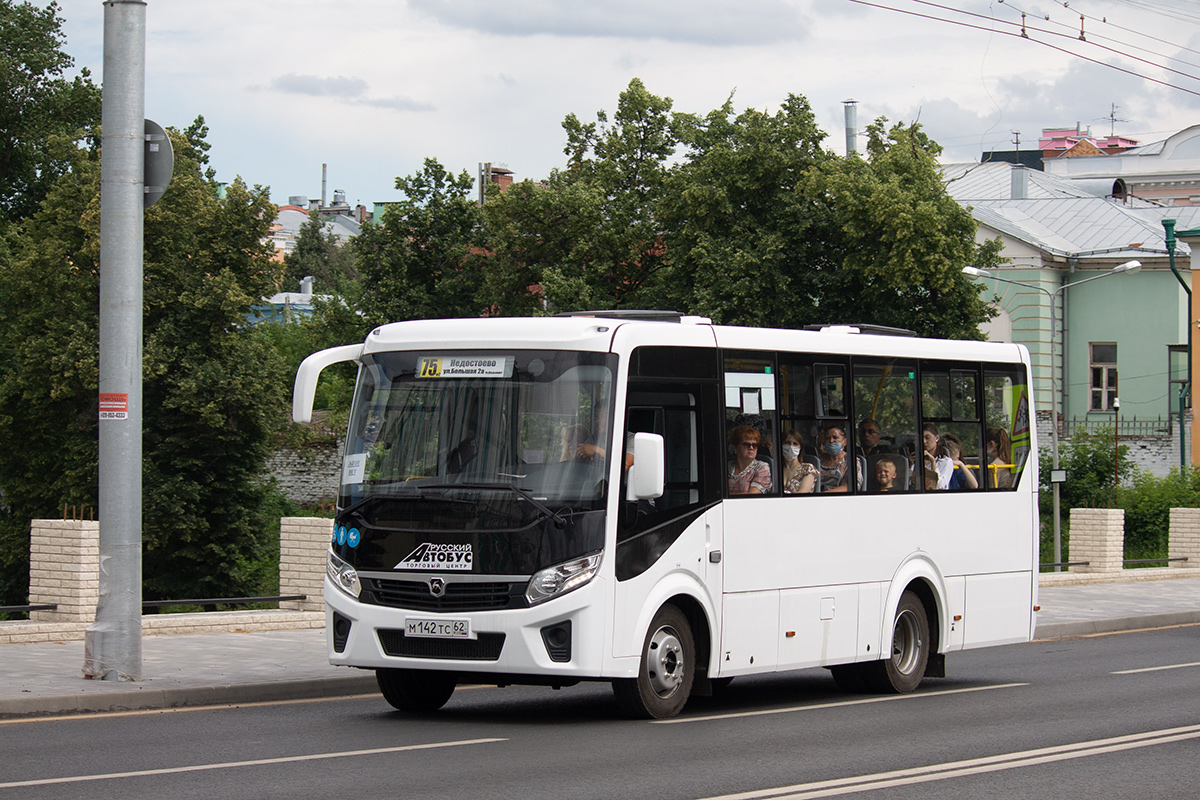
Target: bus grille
{"x": 457, "y": 597}
{"x": 485, "y": 648}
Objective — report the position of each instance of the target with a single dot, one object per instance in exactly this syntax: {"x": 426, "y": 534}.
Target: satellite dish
{"x": 159, "y": 164}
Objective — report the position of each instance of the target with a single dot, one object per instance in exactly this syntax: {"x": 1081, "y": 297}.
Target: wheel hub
{"x": 665, "y": 661}
{"x": 906, "y": 643}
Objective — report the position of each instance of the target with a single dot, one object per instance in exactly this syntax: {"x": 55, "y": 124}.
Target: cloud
{"x": 314, "y": 86}
{"x": 348, "y": 90}
{"x": 396, "y": 103}
{"x": 711, "y": 22}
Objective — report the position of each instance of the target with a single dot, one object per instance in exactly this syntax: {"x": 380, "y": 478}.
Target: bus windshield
{"x": 528, "y": 429}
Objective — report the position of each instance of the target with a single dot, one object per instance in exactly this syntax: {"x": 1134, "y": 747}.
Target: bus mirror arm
{"x": 310, "y": 370}
{"x": 645, "y": 479}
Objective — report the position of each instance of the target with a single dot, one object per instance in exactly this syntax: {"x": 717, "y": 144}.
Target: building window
{"x": 1104, "y": 375}
{"x": 1177, "y": 369}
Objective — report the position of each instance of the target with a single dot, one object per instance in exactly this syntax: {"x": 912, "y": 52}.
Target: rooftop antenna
{"x": 1113, "y": 120}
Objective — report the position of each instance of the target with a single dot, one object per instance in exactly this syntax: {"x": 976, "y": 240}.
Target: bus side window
{"x": 1006, "y": 416}
{"x": 951, "y": 420}
{"x": 813, "y": 399}
{"x": 750, "y": 404}
{"x": 886, "y": 423}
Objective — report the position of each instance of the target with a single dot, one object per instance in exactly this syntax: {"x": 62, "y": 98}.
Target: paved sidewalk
{"x": 231, "y": 668}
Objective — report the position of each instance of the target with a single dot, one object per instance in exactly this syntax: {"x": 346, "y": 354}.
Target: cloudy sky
{"x": 372, "y": 87}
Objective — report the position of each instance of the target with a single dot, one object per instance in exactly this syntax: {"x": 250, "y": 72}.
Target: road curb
{"x": 1063, "y": 630}
{"x": 149, "y": 698}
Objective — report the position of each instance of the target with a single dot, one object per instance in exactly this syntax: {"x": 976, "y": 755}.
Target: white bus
{"x": 556, "y": 500}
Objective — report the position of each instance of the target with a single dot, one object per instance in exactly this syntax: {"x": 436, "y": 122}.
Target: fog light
{"x": 341, "y": 632}
{"x": 557, "y": 639}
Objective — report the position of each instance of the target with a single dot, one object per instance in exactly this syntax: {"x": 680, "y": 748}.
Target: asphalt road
{"x": 1115, "y": 716}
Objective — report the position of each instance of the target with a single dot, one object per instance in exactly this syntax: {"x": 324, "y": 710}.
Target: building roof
{"x": 1075, "y": 227}
{"x": 992, "y": 180}
{"x": 1179, "y": 152}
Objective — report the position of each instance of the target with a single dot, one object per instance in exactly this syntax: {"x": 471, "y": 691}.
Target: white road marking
{"x": 958, "y": 769}
{"x": 259, "y": 762}
{"x": 863, "y": 701}
{"x": 1156, "y": 669}
{"x": 88, "y": 715}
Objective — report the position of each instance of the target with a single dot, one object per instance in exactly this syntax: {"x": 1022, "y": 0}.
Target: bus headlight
{"x": 562, "y": 578}
{"x": 344, "y": 576}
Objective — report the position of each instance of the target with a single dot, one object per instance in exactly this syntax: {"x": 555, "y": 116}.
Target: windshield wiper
{"x": 559, "y": 522}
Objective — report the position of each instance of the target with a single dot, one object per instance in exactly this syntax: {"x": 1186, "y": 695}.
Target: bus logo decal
{"x": 438, "y": 556}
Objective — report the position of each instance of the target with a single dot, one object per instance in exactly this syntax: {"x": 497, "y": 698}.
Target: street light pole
{"x": 974, "y": 273}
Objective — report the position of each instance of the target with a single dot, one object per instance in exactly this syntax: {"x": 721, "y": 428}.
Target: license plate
{"x": 439, "y": 628}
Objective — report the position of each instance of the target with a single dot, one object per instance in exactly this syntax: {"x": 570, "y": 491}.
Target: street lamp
{"x": 974, "y": 273}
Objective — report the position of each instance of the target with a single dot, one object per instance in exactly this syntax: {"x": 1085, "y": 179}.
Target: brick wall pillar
{"x": 1098, "y": 537}
{"x": 303, "y": 542}
{"x": 1183, "y": 538}
{"x": 64, "y": 568}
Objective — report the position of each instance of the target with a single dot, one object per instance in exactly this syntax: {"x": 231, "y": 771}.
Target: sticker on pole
{"x": 114, "y": 405}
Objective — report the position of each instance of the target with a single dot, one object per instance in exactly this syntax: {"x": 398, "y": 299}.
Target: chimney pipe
{"x": 851, "y": 125}
{"x": 323, "y": 171}
{"x": 1020, "y": 183}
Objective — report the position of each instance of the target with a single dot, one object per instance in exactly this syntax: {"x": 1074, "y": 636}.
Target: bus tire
{"x": 415, "y": 690}
{"x": 904, "y": 668}
{"x": 666, "y": 672}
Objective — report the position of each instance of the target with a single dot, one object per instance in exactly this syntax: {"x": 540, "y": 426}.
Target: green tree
{"x": 415, "y": 264}
{"x": 212, "y": 391}
{"x": 1091, "y": 462}
{"x": 42, "y": 113}
{"x": 903, "y": 240}
{"x": 533, "y": 229}
{"x": 742, "y": 239}
{"x": 319, "y": 254}
{"x": 589, "y": 236}
{"x": 1148, "y": 500}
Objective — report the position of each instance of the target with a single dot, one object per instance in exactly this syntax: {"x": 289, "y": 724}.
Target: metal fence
{"x": 1130, "y": 427}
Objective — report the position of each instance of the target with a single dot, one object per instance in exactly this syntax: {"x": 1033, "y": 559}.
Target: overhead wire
{"x": 1104, "y": 21}
{"x": 1023, "y": 34}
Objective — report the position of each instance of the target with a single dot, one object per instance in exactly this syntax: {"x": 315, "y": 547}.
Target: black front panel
{"x": 485, "y": 648}
{"x": 465, "y": 596}
{"x": 369, "y": 542}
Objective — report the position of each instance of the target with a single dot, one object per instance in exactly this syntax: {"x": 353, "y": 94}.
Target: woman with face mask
{"x": 799, "y": 477}
{"x": 835, "y": 463}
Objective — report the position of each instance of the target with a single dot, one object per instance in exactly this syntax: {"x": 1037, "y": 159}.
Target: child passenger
{"x": 885, "y": 474}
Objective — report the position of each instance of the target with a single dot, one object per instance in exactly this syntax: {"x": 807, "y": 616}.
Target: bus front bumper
{"x": 560, "y": 638}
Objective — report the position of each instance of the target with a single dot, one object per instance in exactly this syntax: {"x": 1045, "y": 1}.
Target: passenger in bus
{"x": 930, "y": 472}
{"x": 885, "y": 474}
{"x": 942, "y": 465}
{"x": 572, "y": 437}
{"x": 835, "y": 463}
{"x": 747, "y": 475}
{"x": 869, "y": 433}
{"x": 963, "y": 476}
{"x": 799, "y": 476}
{"x": 999, "y": 454}
{"x": 587, "y": 451}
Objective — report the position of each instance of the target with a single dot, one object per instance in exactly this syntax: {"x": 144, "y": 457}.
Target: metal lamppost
{"x": 1056, "y": 477}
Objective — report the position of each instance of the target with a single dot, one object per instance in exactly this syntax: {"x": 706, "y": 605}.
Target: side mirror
{"x": 310, "y": 369}
{"x": 645, "y": 478}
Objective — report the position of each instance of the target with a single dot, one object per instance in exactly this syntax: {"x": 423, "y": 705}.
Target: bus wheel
{"x": 904, "y": 667}
{"x": 415, "y": 690}
{"x": 668, "y": 666}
